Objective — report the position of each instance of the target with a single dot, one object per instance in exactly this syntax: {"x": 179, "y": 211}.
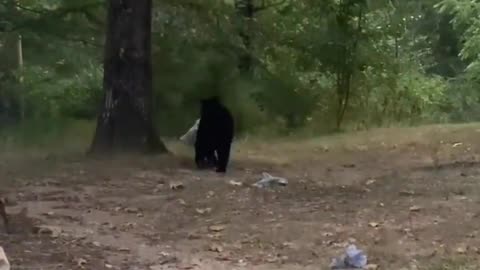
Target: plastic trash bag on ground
{"x": 190, "y": 136}
{"x": 352, "y": 259}
{"x": 4, "y": 264}
{"x": 270, "y": 181}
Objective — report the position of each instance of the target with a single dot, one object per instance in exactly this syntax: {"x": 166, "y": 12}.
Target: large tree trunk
{"x": 125, "y": 119}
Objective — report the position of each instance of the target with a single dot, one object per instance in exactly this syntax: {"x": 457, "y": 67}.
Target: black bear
{"x": 214, "y": 135}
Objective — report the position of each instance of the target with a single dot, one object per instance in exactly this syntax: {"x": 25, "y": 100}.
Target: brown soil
{"x": 408, "y": 197}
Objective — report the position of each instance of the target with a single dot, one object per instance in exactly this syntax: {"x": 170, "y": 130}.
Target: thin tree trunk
{"x": 12, "y": 57}
{"x": 19, "y": 50}
{"x": 246, "y": 12}
{"x": 125, "y": 120}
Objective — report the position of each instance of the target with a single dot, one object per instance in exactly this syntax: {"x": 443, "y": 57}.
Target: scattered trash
{"x": 4, "y": 264}
{"x": 353, "y": 258}
{"x": 190, "y": 136}
{"x": 269, "y": 181}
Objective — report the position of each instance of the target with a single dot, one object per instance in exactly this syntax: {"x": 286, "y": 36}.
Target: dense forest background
{"x": 283, "y": 67}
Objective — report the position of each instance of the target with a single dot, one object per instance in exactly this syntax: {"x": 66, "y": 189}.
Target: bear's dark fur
{"x": 214, "y": 135}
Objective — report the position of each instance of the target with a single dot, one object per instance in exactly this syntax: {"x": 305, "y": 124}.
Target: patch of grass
{"x": 437, "y": 139}
{"x": 54, "y": 135}
{"x": 69, "y": 136}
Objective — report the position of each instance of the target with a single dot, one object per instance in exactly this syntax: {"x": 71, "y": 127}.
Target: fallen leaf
{"x": 456, "y": 144}
{"x": 370, "y": 182}
{"x": 415, "y": 208}
{"x": 235, "y": 183}
{"x": 374, "y": 224}
{"x": 215, "y": 235}
{"x": 241, "y": 263}
{"x": 81, "y": 262}
{"x": 223, "y": 257}
{"x": 193, "y": 236}
{"x": 472, "y": 234}
{"x": 204, "y": 210}
{"x": 176, "y": 185}
{"x": 131, "y": 210}
{"x": 50, "y": 230}
{"x": 272, "y": 259}
{"x": 217, "y": 228}
{"x": 182, "y": 202}
{"x": 406, "y": 193}
{"x": 167, "y": 258}
{"x": 215, "y": 248}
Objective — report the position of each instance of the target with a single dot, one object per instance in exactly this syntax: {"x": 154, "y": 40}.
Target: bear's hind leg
{"x": 223, "y": 157}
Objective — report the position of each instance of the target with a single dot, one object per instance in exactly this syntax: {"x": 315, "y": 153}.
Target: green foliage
{"x": 317, "y": 65}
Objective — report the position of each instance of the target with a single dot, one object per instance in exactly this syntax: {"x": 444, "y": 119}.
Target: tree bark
{"x": 125, "y": 120}
{"x": 246, "y": 12}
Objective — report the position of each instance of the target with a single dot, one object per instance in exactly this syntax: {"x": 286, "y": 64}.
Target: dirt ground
{"x": 410, "y": 198}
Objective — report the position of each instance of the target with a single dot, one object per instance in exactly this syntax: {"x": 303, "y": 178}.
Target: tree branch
{"x": 59, "y": 13}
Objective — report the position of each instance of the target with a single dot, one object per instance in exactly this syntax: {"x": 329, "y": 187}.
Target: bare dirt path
{"x": 411, "y": 204}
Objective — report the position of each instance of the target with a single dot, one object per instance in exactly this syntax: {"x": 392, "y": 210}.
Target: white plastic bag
{"x": 352, "y": 259}
{"x": 269, "y": 181}
{"x": 190, "y": 136}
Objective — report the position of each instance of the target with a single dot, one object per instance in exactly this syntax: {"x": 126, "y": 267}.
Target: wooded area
{"x": 307, "y": 67}
{"x": 349, "y": 129}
